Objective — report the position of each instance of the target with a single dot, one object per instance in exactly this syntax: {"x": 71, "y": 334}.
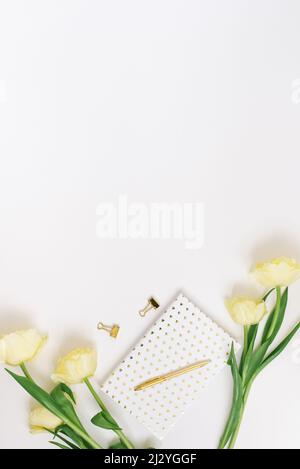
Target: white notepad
{"x": 182, "y": 335}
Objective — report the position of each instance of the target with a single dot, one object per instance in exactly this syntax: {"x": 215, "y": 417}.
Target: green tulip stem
{"x": 254, "y": 363}
{"x": 83, "y": 434}
{"x": 25, "y": 371}
{"x": 245, "y": 349}
{"x": 102, "y": 406}
{"x": 276, "y": 312}
{"x": 237, "y": 428}
{"x": 95, "y": 395}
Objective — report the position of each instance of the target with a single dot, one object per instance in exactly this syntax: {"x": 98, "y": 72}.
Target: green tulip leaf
{"x": 61, "y": 395}
{"x": 59, "y": 445}
{"x": 252, "y": 335}
{"x": 64, "y": 388}
{"x": 67, "y": 431}
{"x": 268, "y": 294}
{"x": 38, "y": 394}
{"x": 57, "y": 405}
{"x": 64, "y": 440}
{"x": 104, "y": 420}
{"x": 278, "y": 349}
{"x": 267, "y": 328}
{"x": 118, "y": 445}
{"x": 272, "y": 330}
{"x": 237, "y": 401}
{"x": 248, "y": 349}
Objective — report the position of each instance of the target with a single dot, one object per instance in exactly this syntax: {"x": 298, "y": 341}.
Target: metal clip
{"x": 112, "y": 330}
{"x": 152, "y": 303}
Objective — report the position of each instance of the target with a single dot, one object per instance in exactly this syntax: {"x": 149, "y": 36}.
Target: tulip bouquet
{"x": 56, "y": 413}
{"x": 275, "y": 276}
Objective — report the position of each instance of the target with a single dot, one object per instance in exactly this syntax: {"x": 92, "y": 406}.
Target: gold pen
{"x": 172, "y": 374}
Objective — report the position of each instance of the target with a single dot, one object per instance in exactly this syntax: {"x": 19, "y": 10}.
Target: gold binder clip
{"x": 152, "y": 303}
{"x": 112, "y": 330}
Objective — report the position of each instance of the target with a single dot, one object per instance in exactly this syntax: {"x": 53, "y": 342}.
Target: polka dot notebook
{"x": 183, "y": 335}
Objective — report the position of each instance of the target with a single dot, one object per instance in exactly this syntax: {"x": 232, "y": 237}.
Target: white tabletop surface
{"x": 163, "y": 101}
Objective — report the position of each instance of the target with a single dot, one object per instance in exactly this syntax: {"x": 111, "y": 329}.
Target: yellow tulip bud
{"x": 75, "y": 366}
{"x": 279, "y": 272}
{"x": 41, "y": 419}
{"x": 20, "y": 346}
{"x": 246, "y": 311}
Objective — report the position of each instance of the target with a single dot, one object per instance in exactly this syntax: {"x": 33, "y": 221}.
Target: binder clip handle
{"x": 152, "y": 304}
{"x": 112, "y": 330}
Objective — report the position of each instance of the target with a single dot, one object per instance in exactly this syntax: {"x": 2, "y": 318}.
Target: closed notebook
{"x": 183, "y": 335}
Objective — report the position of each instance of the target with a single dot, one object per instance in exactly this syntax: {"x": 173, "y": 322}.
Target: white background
{"x": 164, "y": 101}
